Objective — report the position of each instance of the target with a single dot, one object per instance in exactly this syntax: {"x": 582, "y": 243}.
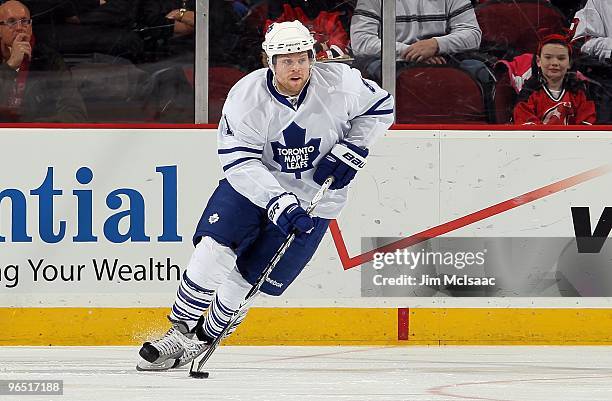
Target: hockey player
{"x": 284, "y": 130}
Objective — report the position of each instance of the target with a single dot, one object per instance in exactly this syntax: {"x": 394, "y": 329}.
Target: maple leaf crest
{"x": 296, "y": 155}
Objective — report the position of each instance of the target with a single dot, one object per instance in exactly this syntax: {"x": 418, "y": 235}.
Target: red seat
{"x": 438, "y": 94}
{"x": 510, "y": 27}
{"x": 220, "y": 81}
{"x": 504, "y": 99}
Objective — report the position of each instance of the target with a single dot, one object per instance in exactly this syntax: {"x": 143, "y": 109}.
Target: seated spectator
{"x": 594, "y": 39}
{"x": 34, "y": 83}
{"x": 166, "y": 19}
{"x": 169, "y": 26}
{"x": 554, "y": 95}
{"x": 426, "y": 30}
{"x": 184, "y": 21}
{"x": 331, "y": 38}
{"x": 312, "y": 8}
{"x": 595, "y": 29}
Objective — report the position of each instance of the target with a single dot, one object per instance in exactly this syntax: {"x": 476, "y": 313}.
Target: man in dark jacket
{"x": 34, "y": 83}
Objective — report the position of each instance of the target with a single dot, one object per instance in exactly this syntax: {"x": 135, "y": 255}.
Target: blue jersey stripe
{"x": 240, "y": 149}
{"x": 372, "y": 110}
{"x": 236, "y": 162}
{"x": 377, "y": 112}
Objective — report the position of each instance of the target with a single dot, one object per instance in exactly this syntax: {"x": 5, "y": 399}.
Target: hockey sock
{"x": 227, "y": 300}
{"x": 191, "y": 300}
{"x": 209, "y": 266}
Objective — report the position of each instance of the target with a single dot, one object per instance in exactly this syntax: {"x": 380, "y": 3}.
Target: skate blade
{"x": 145, "y": 366}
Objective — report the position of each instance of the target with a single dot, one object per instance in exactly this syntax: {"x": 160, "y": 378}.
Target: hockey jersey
{"x": 568, "y": 108}
{"x": 268, "y": 146}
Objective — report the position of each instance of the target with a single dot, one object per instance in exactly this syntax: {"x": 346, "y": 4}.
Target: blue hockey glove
{"x": 342, "y": 162}
{"x": 285, "y": 211}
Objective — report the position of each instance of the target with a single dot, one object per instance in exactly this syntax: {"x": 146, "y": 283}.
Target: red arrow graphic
{"x": 349, "y": 262}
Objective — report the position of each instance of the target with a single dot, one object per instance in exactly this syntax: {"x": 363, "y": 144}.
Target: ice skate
{"x": 176, "y": 348}
{"x": 162, "y": 353}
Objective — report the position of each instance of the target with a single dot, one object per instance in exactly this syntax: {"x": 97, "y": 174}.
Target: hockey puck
{"x": 199, "y": 375}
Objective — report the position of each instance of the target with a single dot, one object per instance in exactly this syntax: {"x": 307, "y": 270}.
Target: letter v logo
{"x": 586, "y": 241}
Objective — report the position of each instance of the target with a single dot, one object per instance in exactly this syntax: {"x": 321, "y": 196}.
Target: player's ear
{"x": 264, "y": 59}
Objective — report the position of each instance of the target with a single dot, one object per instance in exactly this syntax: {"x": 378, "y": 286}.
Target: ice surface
{"x": 325, "y": 373}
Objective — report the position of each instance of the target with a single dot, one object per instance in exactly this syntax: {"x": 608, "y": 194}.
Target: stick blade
{"x": 198, "y": 375}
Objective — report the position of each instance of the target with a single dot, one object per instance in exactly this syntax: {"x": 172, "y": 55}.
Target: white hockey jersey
{"x": 267, "y": 146}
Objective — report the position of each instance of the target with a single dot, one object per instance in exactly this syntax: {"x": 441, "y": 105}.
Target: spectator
{"x": 184, "y": 21}
{"x": 171, "y": 23}
{"x": 167, "y": 28}
{"x": 426, "y": 30}
{"x": 34, "y": 82}
{"x": 594, "y": 39}
{"x": 331, "y": 38}
{"x": 312, "y": 9}
{"x": 595, "y": 29}
{"x": 554, "y": 95}
{"x": 169, "y": 18}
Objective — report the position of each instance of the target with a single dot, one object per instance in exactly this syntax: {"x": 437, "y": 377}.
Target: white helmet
{"x": 286, "y": 38}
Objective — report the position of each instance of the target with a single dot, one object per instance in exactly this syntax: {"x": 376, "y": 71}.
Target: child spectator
{"x": 554, "y": 95}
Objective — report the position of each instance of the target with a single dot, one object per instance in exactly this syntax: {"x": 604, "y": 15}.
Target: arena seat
{"x": 438, "y": 94}
{"x": 504, "y": 98}
{"x": 220, "y": 81}
{"x": 510, "y": 28}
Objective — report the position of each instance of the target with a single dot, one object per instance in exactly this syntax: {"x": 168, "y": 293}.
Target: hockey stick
{"x": 253, "y": 291}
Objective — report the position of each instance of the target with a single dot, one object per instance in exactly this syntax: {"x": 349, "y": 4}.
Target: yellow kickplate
{"x": 509, "y": 326}
{"x": 319, "y": 326}
{"x": 132, "y": 326}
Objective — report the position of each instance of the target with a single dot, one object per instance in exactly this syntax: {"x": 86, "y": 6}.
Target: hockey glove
{"x": 285, "y": 212}
{"x": 342, "y": 162}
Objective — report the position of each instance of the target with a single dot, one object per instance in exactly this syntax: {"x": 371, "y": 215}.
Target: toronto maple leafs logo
{"x": 296, "y": 155}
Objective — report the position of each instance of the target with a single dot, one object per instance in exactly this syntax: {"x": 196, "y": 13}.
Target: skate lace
{"x": 169, "y": 343}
